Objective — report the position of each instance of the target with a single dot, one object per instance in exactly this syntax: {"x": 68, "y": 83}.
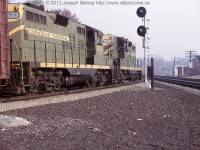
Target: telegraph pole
{"x": 190, "y": 54}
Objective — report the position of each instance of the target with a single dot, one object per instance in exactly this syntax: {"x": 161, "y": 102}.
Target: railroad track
{"x": 60, "y": 92}
{"x": 187, "y": 82}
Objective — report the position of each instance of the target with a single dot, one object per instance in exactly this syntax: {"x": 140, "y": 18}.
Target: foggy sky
{"x": 173, "y": 26}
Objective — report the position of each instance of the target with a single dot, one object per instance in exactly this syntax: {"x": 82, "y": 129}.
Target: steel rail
{"x": 187, "y": 82}
{"x": 60, "y": 92}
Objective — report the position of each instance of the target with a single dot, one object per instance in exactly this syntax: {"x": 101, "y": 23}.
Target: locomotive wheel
{"x": 48, "y": 84}
{"x": 66, "y": 91}
{"x": 132, "y": 78}
{"x": 100, "y": 83}
{"x": 33, "y": 84}
{"x": 93, "y": 81}
{"x": 114, "y": 82}
{"x": 88, "y": 84}
{"x": 40, "y": 87}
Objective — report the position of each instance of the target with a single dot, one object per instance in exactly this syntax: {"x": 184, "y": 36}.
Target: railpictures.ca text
{"x": 98, "y": 3}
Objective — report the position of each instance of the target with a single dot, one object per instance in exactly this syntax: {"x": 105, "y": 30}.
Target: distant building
{"x": 184, "y": 71}
{"x": 196, "y": 65}
{"x": 181, "y": 70}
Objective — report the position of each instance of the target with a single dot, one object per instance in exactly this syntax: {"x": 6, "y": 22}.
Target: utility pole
{"x": 174, "y": 65}
{"x": 190, "y": 54}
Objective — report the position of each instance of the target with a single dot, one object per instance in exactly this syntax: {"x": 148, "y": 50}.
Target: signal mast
{"x": 141, "y": 31}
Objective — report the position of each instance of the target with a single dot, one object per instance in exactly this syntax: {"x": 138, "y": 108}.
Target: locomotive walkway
{"x": 129, "y": 118}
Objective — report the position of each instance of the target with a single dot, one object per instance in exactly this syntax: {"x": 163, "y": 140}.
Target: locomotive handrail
{"x": 28, "y": 56}
{"x": 17, "y": 49}
{"x": 118, "y": 69}
{"x": 24, "y": 50}
{"x": 22, "y": 68}
{"x": 115, "y": 52}
{"x": 108, "y": 50}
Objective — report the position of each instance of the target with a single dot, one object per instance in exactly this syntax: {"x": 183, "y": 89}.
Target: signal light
{"x": 141, "y": 31}
{"x": 141, "y": 12}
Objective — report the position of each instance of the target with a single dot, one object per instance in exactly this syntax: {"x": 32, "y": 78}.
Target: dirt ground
{"x": 135, "y": 119}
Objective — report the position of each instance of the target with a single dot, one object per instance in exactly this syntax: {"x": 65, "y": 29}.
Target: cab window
{"x": 29, "y": 15}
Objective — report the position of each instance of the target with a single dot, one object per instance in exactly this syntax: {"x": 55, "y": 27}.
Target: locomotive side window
{"x": 36, "y": 18}
{"x": 78, "y": 30}
{"x": 83, "y": 31}
{"x": 126, "y": 46}
{"x": 43, "y": 19}
{"x": 29, "y": 15}
{"x": 99, "y": 39}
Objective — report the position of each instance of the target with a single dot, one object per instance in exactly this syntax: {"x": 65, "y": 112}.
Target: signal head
{"x": 141, "y": 12}
{"x": 141, "y": 31}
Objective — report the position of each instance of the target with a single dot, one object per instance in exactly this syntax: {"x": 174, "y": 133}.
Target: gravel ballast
{"x": 167, "y": 117}
{"x": 59, "y": 98}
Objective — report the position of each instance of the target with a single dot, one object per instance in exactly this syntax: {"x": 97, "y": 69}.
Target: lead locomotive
{"x": 48, "y": 52}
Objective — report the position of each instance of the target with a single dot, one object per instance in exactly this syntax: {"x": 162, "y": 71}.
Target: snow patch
{"x": 10, "y": 121}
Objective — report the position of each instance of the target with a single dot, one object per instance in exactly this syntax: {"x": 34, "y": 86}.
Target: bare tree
{"x": 36, "y": 2}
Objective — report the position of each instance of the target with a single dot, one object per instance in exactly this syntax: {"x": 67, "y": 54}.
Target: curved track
{"x": 187, "y": 82}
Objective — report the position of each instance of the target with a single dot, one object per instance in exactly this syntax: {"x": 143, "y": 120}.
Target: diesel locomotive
{"x": 45, "y": 51}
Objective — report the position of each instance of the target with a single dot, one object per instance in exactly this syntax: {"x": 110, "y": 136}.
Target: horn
{"x": 141, "y": 12}
{"x": 141, "y": 31}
